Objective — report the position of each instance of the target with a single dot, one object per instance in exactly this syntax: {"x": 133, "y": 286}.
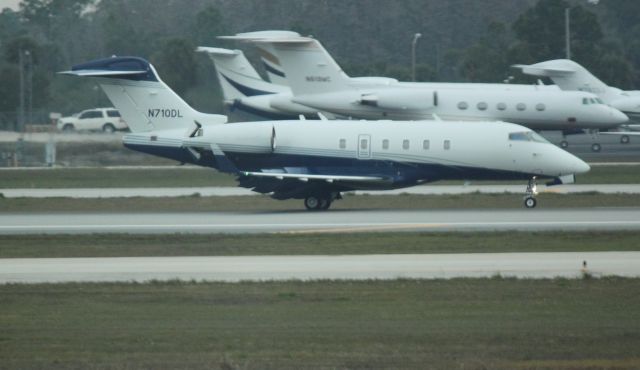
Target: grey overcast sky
{"x": 13, "y": 4}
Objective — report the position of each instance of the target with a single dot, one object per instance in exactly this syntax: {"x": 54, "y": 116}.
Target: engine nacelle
{"x": 401, "y": 99}
{"x": 284, "y": 103}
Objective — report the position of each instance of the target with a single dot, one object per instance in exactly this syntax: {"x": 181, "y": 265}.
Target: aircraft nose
{"x": 580, "y": 166}
{"x": 570, "y": 164}
{"x": 618, "y": 117}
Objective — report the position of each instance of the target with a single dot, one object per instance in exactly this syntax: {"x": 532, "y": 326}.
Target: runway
{"x": 222, "y": 191}
{"x": 331, "y": 221}
{"x": 350, "y": 267}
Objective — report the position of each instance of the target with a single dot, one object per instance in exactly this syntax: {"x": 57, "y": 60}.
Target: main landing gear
{"x": 320, "y": 202}
{"x": 530, "y": 194}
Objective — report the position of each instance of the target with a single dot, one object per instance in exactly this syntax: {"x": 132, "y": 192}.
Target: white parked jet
{"x": 571, "y": 76}
{"x": 318, "y": 82}
{"x": 317, "y": 160}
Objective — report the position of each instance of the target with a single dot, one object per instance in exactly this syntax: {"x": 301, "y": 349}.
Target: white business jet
{"x": 318, "y": 82}
{"x": 571, "y": 76}
{"x": 318, "y": 160}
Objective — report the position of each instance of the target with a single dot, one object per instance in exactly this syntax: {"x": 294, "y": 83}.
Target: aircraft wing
{"x": 628, "y": 133}
{"x": 546, "y": 71}
{"x": 304, "y": 177}
{"x": 98, "y": 73}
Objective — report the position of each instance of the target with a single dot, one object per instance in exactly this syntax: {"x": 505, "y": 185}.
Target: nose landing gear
{"x": 530, "y": 194}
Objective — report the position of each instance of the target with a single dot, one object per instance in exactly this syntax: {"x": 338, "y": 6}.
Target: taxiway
{"x": 331, "y": 221}
{"x": 349, "y": 267}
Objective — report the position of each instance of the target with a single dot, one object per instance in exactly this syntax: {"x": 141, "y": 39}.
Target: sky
{"x": 13, "y": 4}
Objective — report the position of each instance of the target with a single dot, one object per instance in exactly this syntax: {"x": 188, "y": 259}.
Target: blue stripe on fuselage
{"x": 273, "y": 70}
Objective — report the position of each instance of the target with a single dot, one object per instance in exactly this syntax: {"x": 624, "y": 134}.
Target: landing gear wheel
{"x": 564, "y": 144}
{"x": 530, "y": 194}
{"x": 530, "y": 202}
{"x": 312, "y": 203}
{"x": 596, "y": 147}
{"x": 624, "y": 139}
{"x": 325, "y": 203}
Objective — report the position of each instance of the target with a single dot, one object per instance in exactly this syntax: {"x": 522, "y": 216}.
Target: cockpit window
{"x": 587, "y": 101}
{"x": 527, "y": 136}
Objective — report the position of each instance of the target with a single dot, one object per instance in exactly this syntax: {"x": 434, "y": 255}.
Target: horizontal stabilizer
{"x": 544, "y": 71}
{"x": 127, "y": 68}
{"x": 217, "y": 51}
{"x": 251, "y": 36}
{"x": 99, "y": 73}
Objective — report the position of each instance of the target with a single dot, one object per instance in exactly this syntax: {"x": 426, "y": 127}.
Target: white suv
{"x": 98, "y": 119}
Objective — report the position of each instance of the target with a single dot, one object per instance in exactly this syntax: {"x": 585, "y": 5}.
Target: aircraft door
{"x": 364, "y": 146}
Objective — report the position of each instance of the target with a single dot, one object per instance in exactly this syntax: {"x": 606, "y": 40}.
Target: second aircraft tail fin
{"x": 237, "y": 77}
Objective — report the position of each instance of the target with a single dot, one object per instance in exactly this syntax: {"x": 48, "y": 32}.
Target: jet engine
{"x": 401, "y": 99}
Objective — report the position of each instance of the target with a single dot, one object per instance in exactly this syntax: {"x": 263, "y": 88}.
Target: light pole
{"x": 567, "y": 27}
{"x": 567, "y": 31}
{"x": 413, "y": 55}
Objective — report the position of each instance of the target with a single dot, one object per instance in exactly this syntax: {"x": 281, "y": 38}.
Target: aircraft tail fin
{"x": 303, "y": 61}
{"x": 145, "y": 102}
{"x": 237, "y": 77}
{"x": 270, "y": 62}
{"x": 309, "y": 68}
{"x": 567, "y": 74}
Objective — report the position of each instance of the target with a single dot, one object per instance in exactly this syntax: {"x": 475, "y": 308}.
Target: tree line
{"x": 463, "y": 40}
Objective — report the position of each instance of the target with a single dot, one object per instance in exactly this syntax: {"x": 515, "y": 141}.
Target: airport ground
{"x": 592, "y": 322}
{"x": 494, "y": 323}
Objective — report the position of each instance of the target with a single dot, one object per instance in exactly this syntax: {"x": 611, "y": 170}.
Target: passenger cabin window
{"x": 447, "y": 144}
{"x": 463, "y": 105}
{"x": 405, "y": 144}
{"x": 385, "y": 144}
{"x": 521, "y": 106}
{"x": 363, "y": 144}
{"x": 343, "y": 143}
{"x": 113, "y": 113}
{"x": 425, "y": 144}
{"x": 501, "y": 106}
{"x": 482, "y": 106}
{"x": 540, "y": 107}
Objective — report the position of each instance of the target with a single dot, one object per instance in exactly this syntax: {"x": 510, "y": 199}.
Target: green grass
{"x": 190, "y": 177}
{"x": 113, "y": 178}
{"x": 128, "y": 245}
{"x": 440, "y": 324}
{"x": 262, "y": 203}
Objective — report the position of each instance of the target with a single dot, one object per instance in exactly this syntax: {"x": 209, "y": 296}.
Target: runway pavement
{"x": 351, "y": 267}
{"x": 237, "y": 191}
{"x": 330, "y": 221}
